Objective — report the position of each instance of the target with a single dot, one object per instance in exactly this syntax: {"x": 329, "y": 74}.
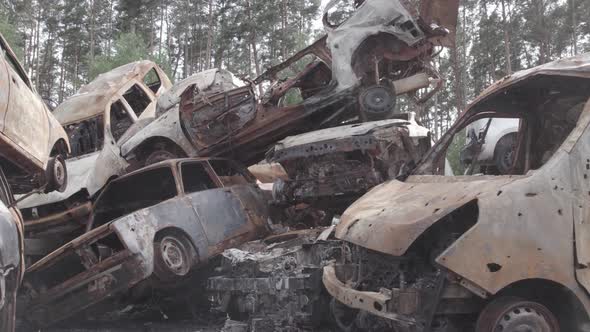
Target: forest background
{"x": 64, "y": 44}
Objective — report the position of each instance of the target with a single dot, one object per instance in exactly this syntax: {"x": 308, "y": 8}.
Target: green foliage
{"x": 454, "y": 152}
{"x": 11, "y": 35}
{"x": 129, "y": 47}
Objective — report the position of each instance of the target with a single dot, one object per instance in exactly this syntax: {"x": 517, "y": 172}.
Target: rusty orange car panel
{"x": 530, "y": 226}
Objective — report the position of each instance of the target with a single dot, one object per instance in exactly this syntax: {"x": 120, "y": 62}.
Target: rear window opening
{"x": 230, "y": 174}
{"x": 86, "y": 136}
{"x": 138, "y": 99}
{"x": 133, "y": 193}
{"x": 152, "y": 80}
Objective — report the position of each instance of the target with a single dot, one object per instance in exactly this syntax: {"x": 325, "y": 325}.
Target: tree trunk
{"x": 574, "y": 27}
{"x": 37, "y": 46}
{"x": 506, "y": 40}
{"x": 209, "y": 36}
{"x": 253, "y": 45}
{"x": 92, "y": 29}
{"x": 457, "y": 83}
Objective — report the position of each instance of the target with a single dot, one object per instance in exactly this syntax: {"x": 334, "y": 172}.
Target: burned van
{"x": 481, "y": 251}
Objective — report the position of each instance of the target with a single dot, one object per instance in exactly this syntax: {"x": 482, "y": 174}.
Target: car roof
{"x": 168, "y": 163}
{"x": 92, "y": 98}
{"x": 577, "y": 66}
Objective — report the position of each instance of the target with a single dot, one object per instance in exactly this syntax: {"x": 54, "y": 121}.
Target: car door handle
{"x": 14, "y": 80}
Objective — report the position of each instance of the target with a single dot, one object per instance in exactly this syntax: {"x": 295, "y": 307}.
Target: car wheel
{"x": 173, "y": 257}
{"x": 56, "y": 174}
{"x": 513, "y": 314}
{"x": 504, "y": 153}
{"x": 377, "y": 102}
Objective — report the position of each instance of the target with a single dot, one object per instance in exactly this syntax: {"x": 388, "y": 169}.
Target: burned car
{"x": 337, "y": 83}
{"x": 481, "y": 251}
{"x": 331, "y": 168}
{"x": 98, "y": 119}
{"x": 165, "y": 138}
{"x": 154, "y": 225}
{"x": 34, "y": 145}
{"x": 12, "y": 264}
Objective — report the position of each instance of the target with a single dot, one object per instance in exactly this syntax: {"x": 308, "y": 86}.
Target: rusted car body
{"x": 158, "y": 224}
{"x": 98, "y": 119}
{"x": 236, "y": 124}
{"x": 165, "y": 137}
{"x": 482, "y": 252}
{"x": 12, "y": 266}
{"x": 33, "y": 143}
{"x": 330, "y": 168}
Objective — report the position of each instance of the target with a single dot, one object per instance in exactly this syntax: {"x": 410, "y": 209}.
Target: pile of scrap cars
{"x": 139, "y": 202}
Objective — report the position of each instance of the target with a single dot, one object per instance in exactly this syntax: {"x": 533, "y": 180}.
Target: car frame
{"x": 88, "y": 117}
{"x": 187, "y": 212}
{"x": 33, "y": 143}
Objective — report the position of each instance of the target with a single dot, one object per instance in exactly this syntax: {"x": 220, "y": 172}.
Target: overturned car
{"x": 155, "y": 226}
{"x": 337, "y": 83}
{"x": 481, "y": 252}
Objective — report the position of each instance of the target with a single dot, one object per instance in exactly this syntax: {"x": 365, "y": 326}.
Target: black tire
{"x": 174, "y": 257}
{"x": 513, "y": 314}
{"x": 56, "y": 174}
{"x": 378, "y": 102}
{"x": 504, "y": 153}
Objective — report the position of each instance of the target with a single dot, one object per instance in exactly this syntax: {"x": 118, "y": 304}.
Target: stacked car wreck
{"x": 364, "y": 229}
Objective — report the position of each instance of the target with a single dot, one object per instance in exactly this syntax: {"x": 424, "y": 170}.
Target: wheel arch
{"x": 60, "y": 147}
{"x": 153, "y": 143}
{"x": 179, "y": 232}
{"x": 558, "y": 298}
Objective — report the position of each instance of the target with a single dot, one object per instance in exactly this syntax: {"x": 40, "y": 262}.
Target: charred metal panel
{"x": 275, "y": 284}
{"x": 334, "y": 166}
{"x": 210, "y": 118}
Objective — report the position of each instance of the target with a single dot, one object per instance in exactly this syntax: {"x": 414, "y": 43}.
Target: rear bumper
{"x": 392, "y": 304}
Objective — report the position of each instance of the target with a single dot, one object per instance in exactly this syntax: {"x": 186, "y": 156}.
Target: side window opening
{"x": 485, "y": 146}
{"x": 133, "y": 193}
{"x": 152, "y": 80}
{"x": 195, "y": 178}
{"x": 137, "y": 99}
{"x": 543, "y": 112}
{"x": 229, "y": 174}
{"x": 15, "y": 67}
{"x": 86, "y": 136}
{"x": 120, "y": 120}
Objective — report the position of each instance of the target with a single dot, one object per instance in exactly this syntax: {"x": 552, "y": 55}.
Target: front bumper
{"x": 394, "y": 304}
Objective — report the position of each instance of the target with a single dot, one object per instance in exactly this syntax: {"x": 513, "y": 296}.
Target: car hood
{"x": 79, "y": 171}
{"x": 393, "y": 215}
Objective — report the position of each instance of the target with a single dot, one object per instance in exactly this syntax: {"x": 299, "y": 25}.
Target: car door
{"x": 25, "y": 121}
{"x": 222, "y": 217}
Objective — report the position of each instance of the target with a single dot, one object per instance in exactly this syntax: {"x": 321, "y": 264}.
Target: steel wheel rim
{"x": 59, "y": 172}
{"x": 522, "y": 316}
{"x": 174, "y": 256}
